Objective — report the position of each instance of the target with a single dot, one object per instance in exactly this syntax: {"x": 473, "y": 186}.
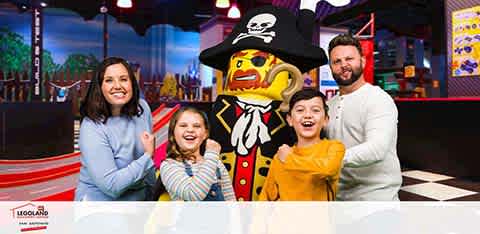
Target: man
{"x": 364, "y": 118}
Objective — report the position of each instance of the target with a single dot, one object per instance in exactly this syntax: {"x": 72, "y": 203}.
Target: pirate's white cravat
{"x": 250, "y": 127}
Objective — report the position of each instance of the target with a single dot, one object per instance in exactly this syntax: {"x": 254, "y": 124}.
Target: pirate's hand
{"x": 213, "y": 146}
{"x": 283, "y": 152}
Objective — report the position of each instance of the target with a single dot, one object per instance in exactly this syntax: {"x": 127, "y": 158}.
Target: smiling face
{"x": 117, "y": 87}
{"x": 346, "y": 64}
{"x": 247, "y": 73}
{"x": 308, "y": 117}
{"x": 190, "y": 132}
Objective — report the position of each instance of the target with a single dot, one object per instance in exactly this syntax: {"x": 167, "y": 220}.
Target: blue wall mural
{"x": 163, "y": 49}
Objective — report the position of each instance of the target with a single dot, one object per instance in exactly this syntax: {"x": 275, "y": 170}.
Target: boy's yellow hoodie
{"x": 308, "y": 174}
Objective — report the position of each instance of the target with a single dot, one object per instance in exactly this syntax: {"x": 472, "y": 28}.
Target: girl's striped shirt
{"x": 180, "y": 186}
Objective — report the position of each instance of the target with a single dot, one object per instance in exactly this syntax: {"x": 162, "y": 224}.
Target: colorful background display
{"x": 466, "y": 42}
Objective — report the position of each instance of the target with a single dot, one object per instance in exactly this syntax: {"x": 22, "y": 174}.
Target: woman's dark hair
{"x": 173, "y": 150}
{"x": 307, "y": 94}
{"x": 95, "y": 106}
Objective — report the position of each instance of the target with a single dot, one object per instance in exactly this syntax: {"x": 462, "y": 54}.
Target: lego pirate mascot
{"x": 263, "y": 59}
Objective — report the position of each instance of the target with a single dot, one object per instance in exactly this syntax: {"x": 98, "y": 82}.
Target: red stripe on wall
{"x": 459, "y": 99}
{"x": 71, "y": 155}
{"x": 166, "y": 118}
{"x": 159, "y": 109}
{"x": 12, "y": 180}
{"x": 63, "y": 196}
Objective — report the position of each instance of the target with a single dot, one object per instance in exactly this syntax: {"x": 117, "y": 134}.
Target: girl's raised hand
{"x": 212, "y": 145}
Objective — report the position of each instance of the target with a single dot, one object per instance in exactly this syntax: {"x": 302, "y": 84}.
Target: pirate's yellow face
{"x": 247, "y": 72}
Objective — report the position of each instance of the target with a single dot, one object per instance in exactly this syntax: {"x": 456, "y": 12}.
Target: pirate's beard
{"x": 238, "y": 85}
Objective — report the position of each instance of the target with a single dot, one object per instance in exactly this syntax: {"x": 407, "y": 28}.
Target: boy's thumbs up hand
{"x": 283, "y": 152}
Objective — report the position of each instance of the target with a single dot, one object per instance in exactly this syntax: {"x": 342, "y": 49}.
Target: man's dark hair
{"x": 344, "y": 40}
{"x": 96, "y": 107}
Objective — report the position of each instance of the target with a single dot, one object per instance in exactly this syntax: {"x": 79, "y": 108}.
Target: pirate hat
{"x": 270, "y": 29}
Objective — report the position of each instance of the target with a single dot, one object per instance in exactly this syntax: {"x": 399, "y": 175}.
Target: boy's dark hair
{"x": 306, "y": 94}
{"x": 344, "y": 40}
{"x": 96, "y": 107}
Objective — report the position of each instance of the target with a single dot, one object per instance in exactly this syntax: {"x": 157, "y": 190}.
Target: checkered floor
{"x": 427, "y": 186}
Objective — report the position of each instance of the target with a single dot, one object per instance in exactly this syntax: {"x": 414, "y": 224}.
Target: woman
{"x": 115, "y": 137}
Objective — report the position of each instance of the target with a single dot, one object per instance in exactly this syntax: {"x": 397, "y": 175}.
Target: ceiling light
{"x": 338, "y": 3}
{"x": 124, "y": 3}
{"x": 43, "y": 4}
{"x": 234, "y": 12}
{"x": 222, "y": 3}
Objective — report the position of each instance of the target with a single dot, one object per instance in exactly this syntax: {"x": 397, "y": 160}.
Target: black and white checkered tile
{"x": 427, "y": 186}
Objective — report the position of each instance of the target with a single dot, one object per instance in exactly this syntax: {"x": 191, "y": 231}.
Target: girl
{"x": 192, "y": 170}
{"x": 309, "y": 170}
{"x": 115, "y": 137}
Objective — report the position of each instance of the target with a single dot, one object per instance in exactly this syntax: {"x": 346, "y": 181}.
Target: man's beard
{"x": 356, "y": 73}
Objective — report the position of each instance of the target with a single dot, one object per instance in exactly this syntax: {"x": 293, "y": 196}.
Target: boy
{"x": 309, "y": 170}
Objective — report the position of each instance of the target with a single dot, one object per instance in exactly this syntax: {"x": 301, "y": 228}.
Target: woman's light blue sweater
{"x": 114, "y": 164}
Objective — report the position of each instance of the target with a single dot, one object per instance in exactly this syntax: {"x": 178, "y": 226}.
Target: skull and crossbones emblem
{"x": 257, "y": 27}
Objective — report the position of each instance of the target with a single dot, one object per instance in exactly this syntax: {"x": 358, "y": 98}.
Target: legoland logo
{"x": 29, "y": 211}
{"x": 31, "y": 217}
